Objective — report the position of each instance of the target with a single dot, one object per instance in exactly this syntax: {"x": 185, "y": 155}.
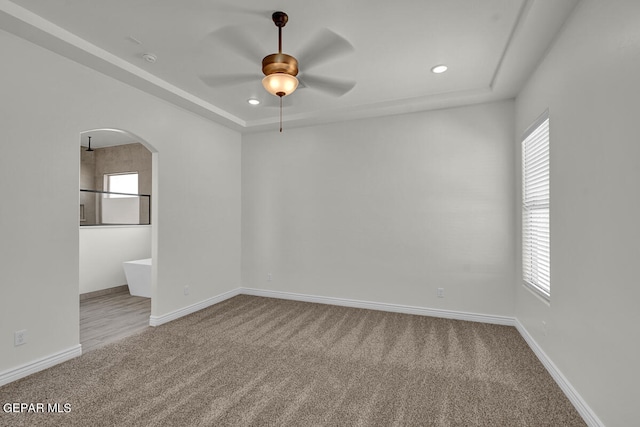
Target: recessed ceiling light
{"x": 439, "y": 69}
{"x": 253, "y": 101}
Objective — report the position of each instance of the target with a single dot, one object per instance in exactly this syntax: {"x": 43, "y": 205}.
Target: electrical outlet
{"x": 20, "y": 337}
{"x": 544, "y": 328}
{"x": 440, "y": 292}
{"x": 186, "y": 290}
{"x": 269, "y": 277}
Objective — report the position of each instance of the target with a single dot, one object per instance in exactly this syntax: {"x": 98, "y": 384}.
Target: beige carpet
{"x": 261, "y": 361}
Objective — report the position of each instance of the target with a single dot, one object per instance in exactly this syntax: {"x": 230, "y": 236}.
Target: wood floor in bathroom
{"x": 108, "y": 318}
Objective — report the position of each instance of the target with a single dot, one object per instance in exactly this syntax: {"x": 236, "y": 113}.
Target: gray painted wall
{"x": 386, "y": 209}
{"x": 589, "y": 82}
{"x": 196, "y": 164}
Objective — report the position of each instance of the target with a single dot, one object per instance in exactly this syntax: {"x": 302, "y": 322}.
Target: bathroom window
{"x": 121, "y": 183}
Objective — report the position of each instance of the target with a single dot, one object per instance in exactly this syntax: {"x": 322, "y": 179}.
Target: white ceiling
{"x": 490, "y": 46}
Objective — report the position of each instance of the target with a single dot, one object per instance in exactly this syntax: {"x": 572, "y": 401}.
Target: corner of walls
{"x": 176, "y": 314}
{"x": 594, "y": 203}
{"x": 197, "y": 199}
{"x": 572, "y": 394}
{"x": 387, "y": 209}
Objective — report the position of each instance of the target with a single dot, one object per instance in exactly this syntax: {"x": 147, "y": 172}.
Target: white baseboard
{"x": 43, "y": 363}
{"x": 578, "y": 402}
{"x": 395, "y": 308}
{"x": 159, "y": 320}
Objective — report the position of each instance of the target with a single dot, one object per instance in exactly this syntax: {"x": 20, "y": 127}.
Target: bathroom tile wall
{"x": 118, "y": 159}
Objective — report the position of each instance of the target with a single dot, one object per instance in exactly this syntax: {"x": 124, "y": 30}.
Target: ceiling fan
{"x": 281, "y": 73}
{"x": 280, "y": 69}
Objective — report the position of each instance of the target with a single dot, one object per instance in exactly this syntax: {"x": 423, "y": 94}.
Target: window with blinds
{"x": 536, "y": 265}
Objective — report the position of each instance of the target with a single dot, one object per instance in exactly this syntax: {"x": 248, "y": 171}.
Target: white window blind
{"x": 536, "y": 260}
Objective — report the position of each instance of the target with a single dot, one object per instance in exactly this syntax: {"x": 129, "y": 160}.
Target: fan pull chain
{"x": 280, "y": 114}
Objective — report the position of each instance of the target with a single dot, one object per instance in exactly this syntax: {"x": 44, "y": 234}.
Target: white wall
{"x": 104, "y": 249}
{"x": 386, "y": 209}
{"x": 46, "y": 101}
{"x": 590, "y": 83}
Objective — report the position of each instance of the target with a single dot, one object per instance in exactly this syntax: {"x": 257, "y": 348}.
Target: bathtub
{"x": 138, "y": 275}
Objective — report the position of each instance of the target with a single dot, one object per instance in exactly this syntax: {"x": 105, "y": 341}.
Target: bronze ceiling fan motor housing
{"x": 280, "y": 62}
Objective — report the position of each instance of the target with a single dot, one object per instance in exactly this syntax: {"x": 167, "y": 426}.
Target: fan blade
{"x": 232, "y": 8}
{"x": 236, "y": 39}
{"x": 325, "y": 46}
{"x": 229, "y": 79}
{"x": 335, "y": 87}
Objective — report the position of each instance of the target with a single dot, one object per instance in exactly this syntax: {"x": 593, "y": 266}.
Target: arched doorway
{"x": 117, "y": 216}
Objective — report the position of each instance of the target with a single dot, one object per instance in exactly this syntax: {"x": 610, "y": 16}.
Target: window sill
{"x": 537, "y": 293}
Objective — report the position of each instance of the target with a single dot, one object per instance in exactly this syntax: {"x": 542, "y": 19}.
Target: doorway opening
{"x": 117, "y": 235}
